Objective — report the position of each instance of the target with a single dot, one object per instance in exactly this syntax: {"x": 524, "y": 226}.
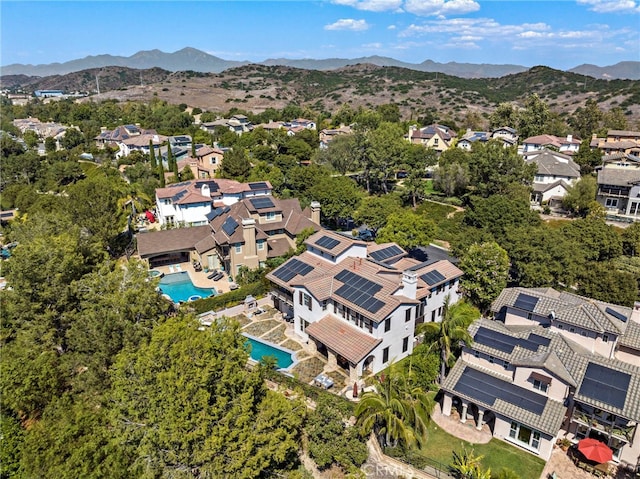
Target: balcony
{"x": 606, "y": 425}
{"x": 613, "y": 192}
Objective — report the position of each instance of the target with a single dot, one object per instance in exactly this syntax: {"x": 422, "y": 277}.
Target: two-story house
{"x": 190, "y": 202}
{"x": 470, "y": 137}
{"x": 567, "y": 145}
{"x": 550, "y": 365}
{"x": 358, "y": 303}
{"x": 328, "y": 134}
{"x": 123, "y": 132}
{"x": 438, "y": 137}
{"x": 507, "y": 134}
{"x": 254, "y": 229}
{"x": 619, "y": 184}
{"x": 556, "y": 173}
{"x": 618, "y": 141}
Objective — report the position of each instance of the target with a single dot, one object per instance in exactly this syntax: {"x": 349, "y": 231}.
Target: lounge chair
{"x": 213, "y": 273}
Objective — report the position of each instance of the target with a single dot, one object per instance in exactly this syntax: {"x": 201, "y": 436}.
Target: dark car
{"x": 365, "y": 235}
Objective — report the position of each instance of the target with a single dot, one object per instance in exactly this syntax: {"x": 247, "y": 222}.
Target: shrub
{"x": 226, "y": 300}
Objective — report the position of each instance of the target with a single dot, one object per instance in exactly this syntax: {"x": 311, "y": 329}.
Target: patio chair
{"x": 553, "y": 475}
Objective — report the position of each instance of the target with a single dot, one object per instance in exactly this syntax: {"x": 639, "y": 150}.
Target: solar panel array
{"x": 505, "y": 343}
{"x": 526, "y": 302}
{"x": 178, "y": 195}
{"x": 214, "y": 213}
{"x": 359, "y": 291}
{"x": 487, "y": 389}
{"x": 432, "y": 277}
{"x": 386, "y": 253}
{"x": 261, "y": 203}
{"x": 291, "y": 268}
{"x": 616, "y": 314}
{"x": 213, "y": 186}
{"x": 229, "y": 226}
{"x": 606, "y": 385}
{"x": 261, "y": 185}
{"x": 327, "y": 242}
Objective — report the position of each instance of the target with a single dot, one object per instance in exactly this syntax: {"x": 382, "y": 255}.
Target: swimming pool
{"x": 260, "y": 349}
{"x": 180, "y": 288}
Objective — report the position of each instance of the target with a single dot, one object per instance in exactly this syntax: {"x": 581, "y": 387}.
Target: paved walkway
{"x": 466, "y": 431}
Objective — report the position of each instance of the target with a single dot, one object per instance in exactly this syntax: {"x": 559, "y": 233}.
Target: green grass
{"x": 497, "y": 454}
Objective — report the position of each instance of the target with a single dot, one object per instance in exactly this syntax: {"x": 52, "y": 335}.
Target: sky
{"x": 560, "y": 34}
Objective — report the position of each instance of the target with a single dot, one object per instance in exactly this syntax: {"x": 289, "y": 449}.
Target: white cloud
{"x": 371, "y": 5}
{"x": 429, "y": 8}
{"x": 372, "y": 46}
{"x": 612, "y": 6}
{"x": 348, "y": 24}
{"x": 391, "y": 27}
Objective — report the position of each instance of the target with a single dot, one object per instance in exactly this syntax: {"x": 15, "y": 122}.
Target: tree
{"x": 397, "y": 413}
{"x": 339, "y": 154}
{"x": 408, "y": 229}
{"x": 387, "y": 147}
{"x": 443, "y": 336}
{"x": 604, "y": 282}
{"x": 533, "y": 118}
{"x": 235, "y": 165}
{"x": 374, "y": 211}
{"x": 339, "y": 196}
{"x": 497, "y": 214}
{"x": 72, "y": 138}
{"x": 486, "y": 269}
{"x": 580, "y": 196}
{"x": 468, "y": 466}
{"x": 588, "y": 159}
{"x": 504, "y": 115}
{"x": 599, "y": 241}
{"x": 586, "y": 121}
{"x": 451, "y": 179}
{"x": 152, "y": 155}
{"x": 186, "y": 173}
{"x": 31, "y": 138}
{"x": 631, "y": 239}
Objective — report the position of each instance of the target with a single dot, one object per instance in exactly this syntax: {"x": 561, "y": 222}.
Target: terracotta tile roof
{"x": 343, "y": 242}
{"x": 154, "y": 243}
{"x": 346, "y": 340}
{"x": 277, "y": 247}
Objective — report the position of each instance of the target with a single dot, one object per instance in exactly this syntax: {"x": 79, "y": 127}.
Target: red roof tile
{"x": 339, "y": 336}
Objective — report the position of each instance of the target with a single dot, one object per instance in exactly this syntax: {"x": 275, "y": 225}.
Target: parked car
{"x": 365, "y": 235}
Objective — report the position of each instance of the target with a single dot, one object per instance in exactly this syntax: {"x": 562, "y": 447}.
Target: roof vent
{"x": 552, "y": 315}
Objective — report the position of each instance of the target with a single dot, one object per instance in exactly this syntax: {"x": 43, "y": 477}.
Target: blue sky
{"x": 559, "y": 34}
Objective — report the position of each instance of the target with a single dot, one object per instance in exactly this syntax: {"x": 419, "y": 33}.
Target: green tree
{"x": 152, "y": 155}
{"x": 580, "y": 196}
{"x": 339, "y": 196}
{"x": 603, "y": 281}
{"x": 443, "y": 336}
{"x": 466, "y": 465}
{"x": 186, "y": 173}
{"x": 339, "y": 154}
{"x": 71, "y": 139}
{"x": 408, "y": 229}
{"x": 631, "y": 239}
{"x": 50, "y": 145}
{"x": 31, "y": 138}
{"x": 397, "y": 413}
{"x": 235, "y": 165}
{"x": 452, "y": 179}
{"x": 588, "y": 158}
{"x": 504, "y": 115}
{"x": 533, "y": 118}
{"x": 486, "y": 269}
{"x": 374, "y": 211}
{"x": 498, "y": 214}
{"x": 387, "y": 148}
{"x": 586, "y": 121}
{"x": 600, "y": 242}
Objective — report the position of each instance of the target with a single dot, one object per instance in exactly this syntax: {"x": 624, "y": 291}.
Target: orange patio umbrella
{"x": 595, "y": 450}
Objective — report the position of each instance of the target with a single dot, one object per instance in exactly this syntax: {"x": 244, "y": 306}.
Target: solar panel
{"x": 178, "y": 195}
{"x": 288, "y": 270}
{"x": 386, "y": 253}
{"x": 261, "y": 185}
{"x": 262, "y": 203}
{"x": 359, "y": 291}
{"x": 432, "y": 277}
{"x": 505, "y": 343}
{"x": 606, "y": 385}
{"x": 327, "y": 242}
{"x": 616, "y": 314}
{"x": 538, "y": 340}
{"x": 213, "y": 186}
{"x": 229, "y": 226}
{"x": 487, "y": 389}
{"x": 526, "y": 302}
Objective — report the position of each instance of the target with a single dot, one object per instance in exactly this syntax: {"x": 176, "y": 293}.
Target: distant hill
{"x": 191, "y": 59}
{"x": 627, "y": 70}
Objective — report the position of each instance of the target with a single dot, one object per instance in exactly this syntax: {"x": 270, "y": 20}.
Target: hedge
{"x": 227, "y": 300}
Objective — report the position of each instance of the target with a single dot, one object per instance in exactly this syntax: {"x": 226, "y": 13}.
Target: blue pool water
{"x": 178, "y": 287}
{"x": 260, "y": 349}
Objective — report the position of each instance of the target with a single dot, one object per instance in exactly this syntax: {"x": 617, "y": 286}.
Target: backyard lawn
{"x": 497, "y": 454}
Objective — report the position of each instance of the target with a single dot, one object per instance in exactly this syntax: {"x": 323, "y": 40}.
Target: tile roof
{"x": 568, "y": 308}
{"x": 548, "y": 421}
{"x": 631, "y": 337}
{"x": 543, "y": 140}
{"x": 554, "y": 164}
{"x": 153, "y": 243}
{"x": 343, "y": 242}
{"x": 635, "y": 134}
{"x": 343, "y": 338}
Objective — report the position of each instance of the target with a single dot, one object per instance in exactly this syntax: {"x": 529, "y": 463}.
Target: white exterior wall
{"x": 437, "y": 299}
{"x": 557, "y": 191}
{"x": 392, "y": 339}
{"x": 194, "y": 215}
{"x": 557, "y": 390}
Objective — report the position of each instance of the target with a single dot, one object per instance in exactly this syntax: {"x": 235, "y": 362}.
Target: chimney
{"x": 104, "y": 128}
{"x": 315, "y": 212}
{"x": 249, "y": 234}
{"x": 409, "y": 284}
{"x": 569, "y": 138}
{"x": 205, "y": 191}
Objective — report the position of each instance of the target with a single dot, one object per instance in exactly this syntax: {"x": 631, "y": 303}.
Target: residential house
{"x": 254, "y": 229}
{"x": 123, "y": 132}
{"x": 359, "y": 303}
{"x": 550, "y": 365}
{"x": 618, "y": 141}
{"x": 619, "y": 184}
{"x": 568, "y": 145}
{"x": 141, "y": 143}
{"x": 438, "y": 137}
{"x": 556, "y": 173}
{"x": 238, "y": 124}
{"x": 206, "y": 162}
{"x": 43, "y": 130}
{"x": 328, "y": 134}
{"x": 507, "y": 134}
{"x": 188, "y": 203}
{"x": 180, "y": 141}
{"x": 471, "y": 137}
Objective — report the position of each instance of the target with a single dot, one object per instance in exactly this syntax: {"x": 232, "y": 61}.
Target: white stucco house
{"x": 551, "y": 365}
{"x": 359, "y": 303}
{"x": 556, "y": 172}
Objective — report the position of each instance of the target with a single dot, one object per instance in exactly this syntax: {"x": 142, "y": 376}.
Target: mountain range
{"x": 191, "y": 59}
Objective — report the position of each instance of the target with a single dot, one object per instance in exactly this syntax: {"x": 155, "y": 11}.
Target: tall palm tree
{"x": 397, "y": 412}
{"x": 456, "y": 318}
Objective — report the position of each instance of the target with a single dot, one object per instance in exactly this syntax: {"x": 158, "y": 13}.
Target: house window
{"x": 433, "y": 315}
{"x": 605, "y": 338}
{"x": 529, "y": 315}
{"x": 407, "y": 315}
{"x": 540, "y": 385}
{"x": 572, "y": 330}
{"x": 524, "y": 435}
{"x": 505, "y": 364}
{"x": 584, "y": 333}
{"x": 238, "y": 248}
{"x": 260, "y": 245}
{"x": 559, "y": 325}
{"x": 271, "y": 215}
{"x": 476, "y": 354}
{"x": 491, "y": 359}
{"x": 300, "y": 297}
{"x": 324, "y": 305}
{"x": 387, "y": 326}
{"x": 385, "y": 354}
{"x": 513, "y": 430}
{"x": 611, "y": 202}
{"x": 307, "y": 301}
{"x": 405, "y": 344}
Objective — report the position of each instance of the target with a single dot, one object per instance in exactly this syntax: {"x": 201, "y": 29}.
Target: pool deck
{"x": 198, "y": 278}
